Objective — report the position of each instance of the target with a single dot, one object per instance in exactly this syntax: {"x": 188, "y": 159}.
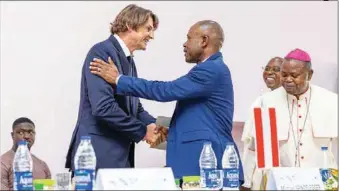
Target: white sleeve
{"x": 249, "y": 157}
{"x": 249, "y": 164}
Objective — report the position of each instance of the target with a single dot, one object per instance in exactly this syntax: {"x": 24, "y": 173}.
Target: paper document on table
{"x": 163, "y": 121}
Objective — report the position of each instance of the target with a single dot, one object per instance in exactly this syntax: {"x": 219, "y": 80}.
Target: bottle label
{"x": 84, "y": 179}
{"x": 325, "y": 174}
{"x": 23, "y": 180}
{"x": 231, "y": 178}
{"x": 211, "y": 178}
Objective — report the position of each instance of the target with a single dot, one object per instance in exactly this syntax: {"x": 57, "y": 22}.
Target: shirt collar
{"x": 208, "y": 58}
{"x": 123, "y": 45}
{"x": 205, "y": 59}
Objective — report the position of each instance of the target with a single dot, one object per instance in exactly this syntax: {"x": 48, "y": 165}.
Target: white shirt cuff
{"x": 117, "y": 80}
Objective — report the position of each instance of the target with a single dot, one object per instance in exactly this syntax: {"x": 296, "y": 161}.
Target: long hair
{"x": 133, "y": 16}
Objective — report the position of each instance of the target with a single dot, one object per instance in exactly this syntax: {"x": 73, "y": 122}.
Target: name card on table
{"x": 135, "y": 179}
{"x": 290, "y": 178}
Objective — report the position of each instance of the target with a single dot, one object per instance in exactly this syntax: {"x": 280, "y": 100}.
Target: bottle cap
{"x": 324, "y": 148}
{"x": 22, "y": 142}
{"x": 85, "y": 137}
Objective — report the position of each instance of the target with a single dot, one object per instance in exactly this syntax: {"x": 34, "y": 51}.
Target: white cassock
{"x": 303, "y": 126}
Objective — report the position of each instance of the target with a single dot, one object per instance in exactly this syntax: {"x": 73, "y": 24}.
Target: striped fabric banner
{"x": 267, "y": 146}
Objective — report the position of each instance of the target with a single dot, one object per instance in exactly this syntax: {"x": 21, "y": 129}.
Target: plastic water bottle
{"x": 324, "y": 170}
{"x": 208, "y": 167}
{"x": 230, "y": 165}
{"x": 22, "y": 168}
{"x": 85, "y": 163}
{"x": 325, "y": 157}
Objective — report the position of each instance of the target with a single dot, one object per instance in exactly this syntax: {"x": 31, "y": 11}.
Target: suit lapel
{"x": 124, "y": 67}
{"x": 124, "y": 64}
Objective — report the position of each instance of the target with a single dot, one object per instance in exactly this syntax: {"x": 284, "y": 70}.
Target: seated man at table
{"x": 23, "y": 129}
{"x": 306, "y": 117}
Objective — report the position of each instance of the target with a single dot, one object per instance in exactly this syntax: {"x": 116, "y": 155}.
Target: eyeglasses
{"x": 273, "y": 69}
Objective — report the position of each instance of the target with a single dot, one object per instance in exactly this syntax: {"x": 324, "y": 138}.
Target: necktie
{"x": 130, "y": 59}
{"x": 131, "y": 66}
{"x": 131, "y": 106}
{"x": 132, "y": 72}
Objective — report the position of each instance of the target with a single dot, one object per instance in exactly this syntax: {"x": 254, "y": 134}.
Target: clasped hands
{"x": 155, "y": 134}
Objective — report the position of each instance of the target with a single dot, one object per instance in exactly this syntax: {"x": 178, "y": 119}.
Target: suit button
{"x": 302, "y": 157}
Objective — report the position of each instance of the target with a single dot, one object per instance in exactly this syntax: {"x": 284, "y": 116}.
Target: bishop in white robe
{"x": 306, "y": 117}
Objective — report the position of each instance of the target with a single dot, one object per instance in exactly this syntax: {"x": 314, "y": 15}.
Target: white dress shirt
{"x": 124, "y": 49}
{"x": 123, "y": 45}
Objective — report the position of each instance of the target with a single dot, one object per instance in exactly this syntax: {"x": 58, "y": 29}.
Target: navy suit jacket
{"x": 204, "y": 111}
{"x": 114, "y": 122}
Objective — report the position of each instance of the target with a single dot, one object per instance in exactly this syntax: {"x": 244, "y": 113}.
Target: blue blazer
{"x": 204, "y": 111}
{"x": 114, "y": 122}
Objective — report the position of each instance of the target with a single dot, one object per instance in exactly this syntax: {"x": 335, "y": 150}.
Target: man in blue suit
{"x": 115, "y": 123}
{"x": 204, "y": 111}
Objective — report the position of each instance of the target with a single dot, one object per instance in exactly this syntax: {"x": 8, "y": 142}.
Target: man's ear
{"x": 12, "y": 135}
{"x": 310, "y": 74}
{"x": 129, "y": 28}
{"x": 205, "y": 41}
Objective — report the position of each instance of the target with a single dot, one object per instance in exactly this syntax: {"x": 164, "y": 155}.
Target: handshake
{"x": 155, "y": 134}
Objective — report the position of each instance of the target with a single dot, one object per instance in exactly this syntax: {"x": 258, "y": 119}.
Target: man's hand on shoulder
{"x": 108, "y": 71}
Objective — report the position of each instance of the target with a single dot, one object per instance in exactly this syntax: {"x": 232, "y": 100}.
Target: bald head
{"x": 204, "y": 39}
{"x": 278, "y": 60}
{"x": 213, "y": 31}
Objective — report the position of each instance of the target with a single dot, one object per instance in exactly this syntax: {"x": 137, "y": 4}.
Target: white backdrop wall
{"x": 44, "y": 44}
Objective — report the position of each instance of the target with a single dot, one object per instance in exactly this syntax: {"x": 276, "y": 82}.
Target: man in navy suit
{"x": 115, "y": 122}
{"x": 204, "y": 110}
